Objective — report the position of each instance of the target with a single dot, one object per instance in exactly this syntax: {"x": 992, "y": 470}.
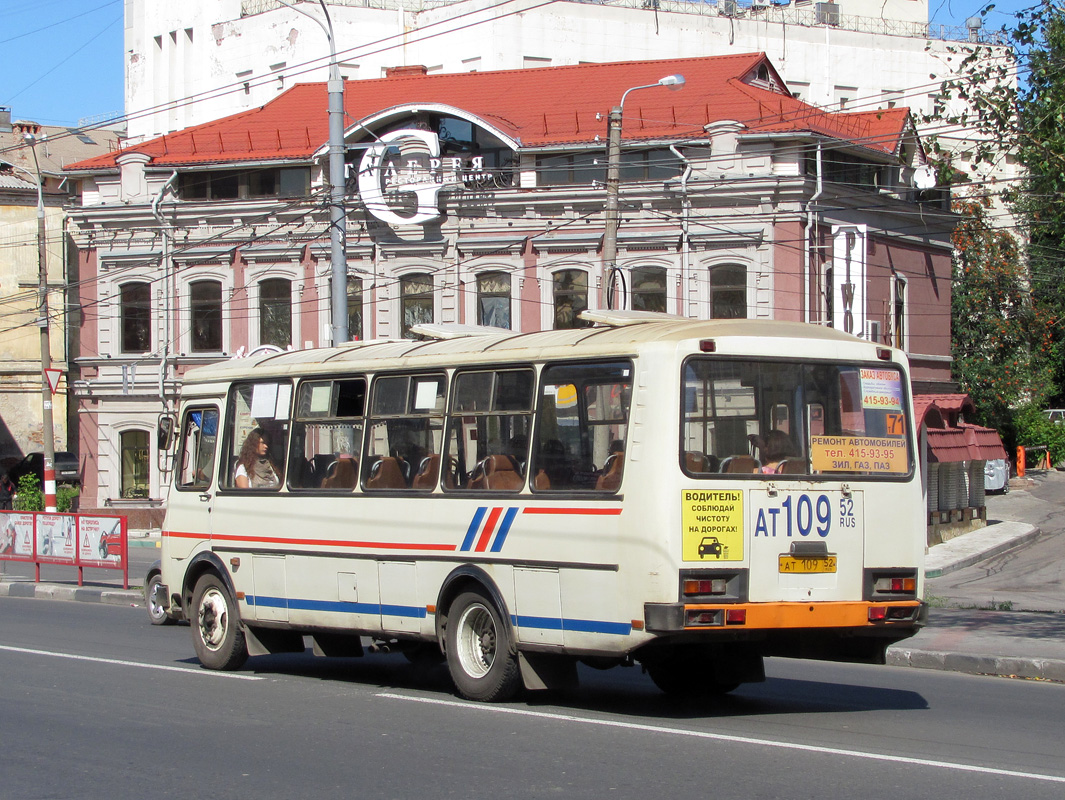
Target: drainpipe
{"x": 807, "y": 273}
{"x": 685, "y": 244}
{"x": 168, "y": 279}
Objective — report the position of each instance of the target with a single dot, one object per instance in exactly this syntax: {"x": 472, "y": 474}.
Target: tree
{"x": 999, "y": 340}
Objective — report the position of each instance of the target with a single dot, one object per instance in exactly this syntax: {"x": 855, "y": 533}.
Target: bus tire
{"x": 217, "y": 634}
{"x": 156, "y": 613}
{"x": 480, "y": 656}
{"x": 685, "y": 675}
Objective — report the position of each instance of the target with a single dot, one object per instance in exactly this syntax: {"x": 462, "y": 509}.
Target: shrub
{"x": 30, "y": 497}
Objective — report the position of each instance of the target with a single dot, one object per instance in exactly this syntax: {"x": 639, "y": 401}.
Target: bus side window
{"x": 405, "y": 428}
{"x": 582, "y": 422}
{"x": 327, "y": 434}
{"x": 199, "y": 433}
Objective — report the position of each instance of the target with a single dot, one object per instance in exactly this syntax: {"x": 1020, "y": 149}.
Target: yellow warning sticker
{"x": 712, "y": 525}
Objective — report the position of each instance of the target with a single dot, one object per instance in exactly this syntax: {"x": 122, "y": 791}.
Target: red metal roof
{"x": 948, "y": 445}
{"x": 537, "y": 107}
{"x": 984, "y": 443}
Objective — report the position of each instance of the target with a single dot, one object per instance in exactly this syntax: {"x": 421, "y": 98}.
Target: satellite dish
{"x": 924, "y": 177}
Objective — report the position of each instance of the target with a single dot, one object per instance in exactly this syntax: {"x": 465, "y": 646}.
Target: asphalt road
{"x": 1030, "y": 577}
{"x": 96, "y": 703}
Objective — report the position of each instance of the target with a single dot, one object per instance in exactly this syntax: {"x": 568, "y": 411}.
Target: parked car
{"x": 1055, "y": 414}
{"x": 66, "y": 468}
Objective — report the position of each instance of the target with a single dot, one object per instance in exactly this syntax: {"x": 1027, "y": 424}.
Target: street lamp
{"x": 337, "y": 217}
{"x": 42, "y": 323}
{"x": 613, "y": 172}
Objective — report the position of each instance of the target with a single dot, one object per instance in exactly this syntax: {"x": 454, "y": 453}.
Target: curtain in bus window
{"x": 582, "y": 426}
{"x": 197, "y": 447}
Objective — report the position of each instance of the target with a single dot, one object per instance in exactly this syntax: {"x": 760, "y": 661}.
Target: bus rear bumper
{"x": 853, "y": 616}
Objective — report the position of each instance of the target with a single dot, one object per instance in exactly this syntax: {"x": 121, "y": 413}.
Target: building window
{"x": 899, "y": 315}
{"x": 570, "y": 298}
{"x": 136, "y": 311}
{"x": 245, "y": 184}
{"x": 728, "y": 292}
{"x": 354, "y": 308}
{"x": 416, "y": 297}
{"x": 493, "y": 299}
{"x": 205, "y": 308}
{"x": 649, "y": 289}
{"x": 135, "y": 458}
{"x": 275, "y": 312}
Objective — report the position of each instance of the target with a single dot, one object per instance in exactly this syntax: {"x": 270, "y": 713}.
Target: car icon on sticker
{"x": 709, "y": 546}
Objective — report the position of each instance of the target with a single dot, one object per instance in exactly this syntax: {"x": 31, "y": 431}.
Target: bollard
{"x": 1020, "y": 461}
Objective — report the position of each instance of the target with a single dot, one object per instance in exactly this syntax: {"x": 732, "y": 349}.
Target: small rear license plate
{"x": 797, "y": 564}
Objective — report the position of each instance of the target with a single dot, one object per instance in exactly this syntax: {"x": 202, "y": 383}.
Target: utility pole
{"x": 613, "y": 182}
{"x": 337, "y": 188}
{"x": 42, "y": 323}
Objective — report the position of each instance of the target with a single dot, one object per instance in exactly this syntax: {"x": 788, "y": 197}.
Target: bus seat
{"x": 610, "y": 480}
{"x": 428, "y": 472}
{"x": 792, "y": 466}
{"x": 740, "y": 464}
{"x": 694, "y": 461}
{"x": 342, "y": 473}
{"x": 499, "y": 472}
{"x": 386, "y": 473}
{"x": 541, "y": 481}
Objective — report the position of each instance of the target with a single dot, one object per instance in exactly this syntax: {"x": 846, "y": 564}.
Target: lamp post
{"x": 613, "y": 180}
{"x": 46, "y": 348}
{"x": 337, "y": 216}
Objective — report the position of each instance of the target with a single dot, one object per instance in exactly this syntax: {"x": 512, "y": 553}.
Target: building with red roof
{"x": 478, "y": 198}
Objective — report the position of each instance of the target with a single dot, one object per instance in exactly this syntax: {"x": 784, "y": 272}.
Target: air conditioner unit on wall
{"x": 728, "y": 8}
{"x": 827, "y": 13}
{"x": 872, "y": 331}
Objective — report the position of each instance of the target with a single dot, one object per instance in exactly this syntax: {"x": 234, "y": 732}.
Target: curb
{"x": 1048, "y": 669}
{"x": 84, "y": 594}
{"x": 970, "y": 558}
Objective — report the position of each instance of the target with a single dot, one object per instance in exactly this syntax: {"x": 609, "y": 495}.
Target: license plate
{"x": 797, "y": 565}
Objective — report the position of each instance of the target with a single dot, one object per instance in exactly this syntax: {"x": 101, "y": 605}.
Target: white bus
{"x": 691, "y": 496}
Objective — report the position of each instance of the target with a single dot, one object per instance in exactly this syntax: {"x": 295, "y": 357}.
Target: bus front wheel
{"x": 479, "y": 651}
{"x": 216, "y": 631}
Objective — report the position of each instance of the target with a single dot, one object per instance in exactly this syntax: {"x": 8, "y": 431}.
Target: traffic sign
{"x": 53, "y": 376}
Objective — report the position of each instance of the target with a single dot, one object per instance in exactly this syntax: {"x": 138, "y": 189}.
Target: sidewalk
{"x": 977, "y": 641}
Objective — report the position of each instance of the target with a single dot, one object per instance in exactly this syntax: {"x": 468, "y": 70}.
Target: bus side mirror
{"x": 165, "y": 432}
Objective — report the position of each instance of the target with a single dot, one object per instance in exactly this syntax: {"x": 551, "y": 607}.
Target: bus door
{"x": 188, "y": 513}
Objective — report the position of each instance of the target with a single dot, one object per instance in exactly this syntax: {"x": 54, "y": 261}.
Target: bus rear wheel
{"x": 217, "y": 634}
{"x": 479, "y": 651}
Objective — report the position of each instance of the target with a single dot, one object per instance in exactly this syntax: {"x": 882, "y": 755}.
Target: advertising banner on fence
{"x": 56, "y": 538}
{"x": 16, "y": 536}
{"x": 100, "y": 541}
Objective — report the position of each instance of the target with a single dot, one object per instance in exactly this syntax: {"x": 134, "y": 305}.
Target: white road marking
{"x": 724, "y": 737}
{"x": 118, "y": 662}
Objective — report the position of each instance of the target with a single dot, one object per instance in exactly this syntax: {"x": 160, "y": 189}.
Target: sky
{"x": 61, "y": 61}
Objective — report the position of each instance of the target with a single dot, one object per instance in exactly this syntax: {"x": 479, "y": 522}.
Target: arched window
{"x": 205, "y": 310}
{"x": 134, "y": 449}
{"x": 493, "y": 299}
{"x": 570, "y": 288}
{"x": 728, "y": 292}
{"x": 649, "y": 289}
{"x": 416, "y": 297}
{"x": 136, "y": 317}
{"x": 275, "y": 312}
{"x": 354, "y": 308}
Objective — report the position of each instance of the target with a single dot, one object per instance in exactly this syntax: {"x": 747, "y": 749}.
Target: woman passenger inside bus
{"x": 774, "y": 449}
{"x": 255, "y": 469}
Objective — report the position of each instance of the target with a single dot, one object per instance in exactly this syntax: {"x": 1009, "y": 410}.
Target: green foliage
{"x": 31, "y": 498}
{"x": 1033, "y": 429}
{"x": 1000, "y": 342}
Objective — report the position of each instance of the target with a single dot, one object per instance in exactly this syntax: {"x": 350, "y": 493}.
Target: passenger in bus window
{"x": 773, "y": 449}
{"x": 255, "y": 469}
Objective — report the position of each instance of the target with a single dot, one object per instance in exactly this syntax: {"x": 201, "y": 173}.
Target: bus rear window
{"x": 779, "y": 418}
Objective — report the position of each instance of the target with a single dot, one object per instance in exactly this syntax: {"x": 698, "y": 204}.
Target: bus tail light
{"x": 877, "y": 613}
{"x": 700, "y": 617}
{"x": 695, "y": 586}
{"x": 892, "y": 613}
{"x": 890, "y": 584}
{"x": 736, "y": 616}
{"x": 707, "y": 346}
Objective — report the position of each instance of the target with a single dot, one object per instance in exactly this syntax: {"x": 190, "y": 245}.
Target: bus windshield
{"x": 770, "y": 417}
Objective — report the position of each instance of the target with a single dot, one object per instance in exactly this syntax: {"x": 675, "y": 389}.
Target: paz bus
{"x": 689, "y": 496}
